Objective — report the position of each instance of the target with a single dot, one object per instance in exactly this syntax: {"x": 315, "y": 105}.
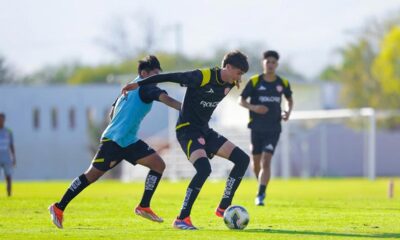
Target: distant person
{"x": 205, "y": 89}
{"x": 119, "y": 141}
{"x": 265, "y": 92}
{"x": 7, "y": 152}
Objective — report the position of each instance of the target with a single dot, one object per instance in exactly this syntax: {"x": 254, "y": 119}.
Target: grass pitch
{"x": 296, "y": 209}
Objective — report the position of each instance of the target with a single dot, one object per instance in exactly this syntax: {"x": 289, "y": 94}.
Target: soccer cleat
{"x": 259, "y": 201}
{"x": 56, "y": 215}
{"x": 146, "y": 212}
{"x": 184, "y": 224}
{"x": 219, "y": 212}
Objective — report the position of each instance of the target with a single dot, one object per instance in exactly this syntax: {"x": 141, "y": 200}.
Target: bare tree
{"x": 126, "y": 38}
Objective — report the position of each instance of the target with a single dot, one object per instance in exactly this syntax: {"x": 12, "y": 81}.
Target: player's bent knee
{"x": 93, "y": 174}
{"x": 159, "y": 166}
{"x": 239, "y": 157}
{"x": 203, "y": 167}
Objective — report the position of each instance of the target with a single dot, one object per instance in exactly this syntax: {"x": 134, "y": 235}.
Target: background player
{"x": 7, "y": 152}
{"x": 205, "y": 89}
{"x": 119, "y": 141}
{"x": 265, "y": 92}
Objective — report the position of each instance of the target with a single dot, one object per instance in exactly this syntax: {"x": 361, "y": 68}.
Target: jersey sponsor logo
{"x": 262, "y": 88}
{"x": 209, "y": 104}
{"x": 279, "y": 88}
{"x": 201, "y": 140}
{"x": 210, "y": 91}
{"x": 226, "y": 91}
{"x": 269, "y": 99}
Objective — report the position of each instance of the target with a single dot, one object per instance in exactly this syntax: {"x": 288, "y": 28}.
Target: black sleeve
{"x": 247, "y": 91}
{"x": 149, "y": 93}
{"x": 188, "y": 79}
{"x": 287, "y": 91}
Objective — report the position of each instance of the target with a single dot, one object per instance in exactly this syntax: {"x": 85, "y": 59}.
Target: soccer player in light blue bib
{"x": 120, "y": 142}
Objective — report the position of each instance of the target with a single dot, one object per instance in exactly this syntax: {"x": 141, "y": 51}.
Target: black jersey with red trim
{"x": 268, "y": 94}
{"x": 205, "y": 89}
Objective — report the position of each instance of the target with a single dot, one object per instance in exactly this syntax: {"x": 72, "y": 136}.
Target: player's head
{"x": 149, "y": 66}
{"x": 2, "y": 119}
{"x": 270, "y": 61}
{"x": 235, "y": 65}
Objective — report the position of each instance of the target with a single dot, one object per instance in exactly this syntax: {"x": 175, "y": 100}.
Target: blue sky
{"x": 306, "y": 32}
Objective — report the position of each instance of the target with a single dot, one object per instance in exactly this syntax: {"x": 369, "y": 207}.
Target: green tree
{"x": 6, "y": 74}
{"x": 367, "y": 64}
{"x": 386, "y": 66}
{"x": 128, "y": 68}
{"x": 359, "y": 87}
{"x": 55, "y": 74}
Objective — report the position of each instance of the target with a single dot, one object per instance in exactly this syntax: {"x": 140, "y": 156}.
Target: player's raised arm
{"x": 189, "y": 79}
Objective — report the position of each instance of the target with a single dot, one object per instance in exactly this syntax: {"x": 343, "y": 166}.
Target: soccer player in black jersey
{"x": 265, "y": 92}
{"x": 205, "y": 89}
{"x": 120, "y": 142}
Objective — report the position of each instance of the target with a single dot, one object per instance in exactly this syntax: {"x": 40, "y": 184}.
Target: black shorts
{"x": 192, "y": 139}
{"x": 264, "y": 142}
{"x": 110, "y": 154}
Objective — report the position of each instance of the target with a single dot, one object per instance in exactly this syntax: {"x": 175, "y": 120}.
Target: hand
{"x": 129, "y": 87}
{"x": 285, "y": 115}
{"x": 237, "y": 83}
{"x": 260, "y": 109}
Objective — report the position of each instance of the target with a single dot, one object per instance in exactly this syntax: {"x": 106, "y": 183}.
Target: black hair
{"x": 2, "y": 115}
{"x": 236, "y": 59}
{"x": 148, "y": 64}
{"x": 271, "y": 53}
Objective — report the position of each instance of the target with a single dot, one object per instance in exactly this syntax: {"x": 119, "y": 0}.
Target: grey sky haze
{"x": 43, "y": 32}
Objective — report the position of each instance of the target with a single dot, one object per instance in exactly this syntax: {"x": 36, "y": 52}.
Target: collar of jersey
{"x": 262, "y": 78}
{"x": 220, "y": 82}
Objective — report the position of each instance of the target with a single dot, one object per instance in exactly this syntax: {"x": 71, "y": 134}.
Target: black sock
{"x": 241, "y": 161}
{"x": 76, "y": 187}
{"x": 261, "y": 190}
{"x": 152, "y": 180}
{"x": 203, "y": 169}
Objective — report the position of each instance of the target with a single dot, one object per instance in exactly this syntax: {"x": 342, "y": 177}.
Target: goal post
{"x": 317, "y": 143}
{"x": 369, "y": 162}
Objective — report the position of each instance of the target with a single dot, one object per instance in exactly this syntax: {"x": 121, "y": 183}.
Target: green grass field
{"x": 296, "y": 209}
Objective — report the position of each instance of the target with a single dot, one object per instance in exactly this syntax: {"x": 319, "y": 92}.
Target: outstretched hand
{"x": 129, "y": 87}
{"x": 237, "y": 83}
{"x": 285, "y": 115}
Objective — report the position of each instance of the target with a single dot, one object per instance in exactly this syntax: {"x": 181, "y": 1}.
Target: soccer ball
{"x": 236, "y": 217}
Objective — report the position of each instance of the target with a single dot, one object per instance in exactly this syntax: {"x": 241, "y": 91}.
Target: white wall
{"x": 63, "y": 152}
{"x": 47, "y": 152}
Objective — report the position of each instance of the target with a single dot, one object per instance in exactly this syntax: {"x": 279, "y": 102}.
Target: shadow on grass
{"x": 282, "y": 231}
